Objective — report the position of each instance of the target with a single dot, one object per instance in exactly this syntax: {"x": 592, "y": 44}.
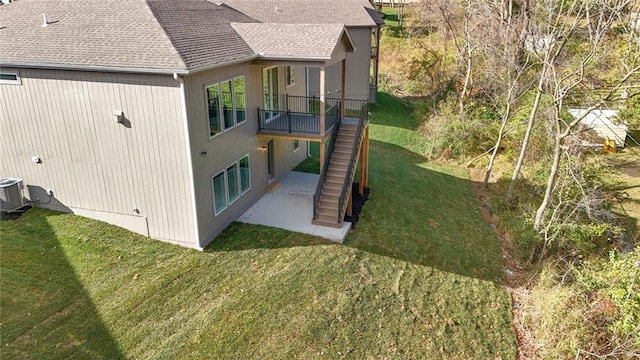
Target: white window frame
{"x": 234, "y": 103}
{"x": 17, "y": 81}
{"x": 225, "y": 178}
{"x": 293, "y": 143}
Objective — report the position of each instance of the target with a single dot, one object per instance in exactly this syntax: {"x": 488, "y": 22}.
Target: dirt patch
{"x": 631, "y": 169}
{"x": 517, "y": 280}
{"x": 5, "y": 216}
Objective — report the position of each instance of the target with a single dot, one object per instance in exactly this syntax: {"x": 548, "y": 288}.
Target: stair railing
{"x": 352, "y": 162}
{"x": 325, "y": 166}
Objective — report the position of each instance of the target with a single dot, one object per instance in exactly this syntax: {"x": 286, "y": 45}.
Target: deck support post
{"x": 322, "y": 154}
{"x": 343, "y": 89}
{"x": 364, "y": 162}
{"x": 361, "y": 163}
{"x": 323, "y": 109}
{"x": 323, "y": 115}
{"x": 350, "y": 204}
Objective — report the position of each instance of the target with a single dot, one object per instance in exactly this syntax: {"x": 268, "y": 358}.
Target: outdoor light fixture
{"x": 119, "y": 116}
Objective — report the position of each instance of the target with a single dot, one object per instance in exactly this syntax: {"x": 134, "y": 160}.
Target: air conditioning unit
{"x": 11, "y": 198}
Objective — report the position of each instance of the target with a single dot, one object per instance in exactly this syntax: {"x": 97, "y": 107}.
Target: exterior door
{"x": 270, "y": 91}
{"x": 270, "y": 161}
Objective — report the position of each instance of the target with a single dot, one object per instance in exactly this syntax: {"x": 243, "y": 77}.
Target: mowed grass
{"x": 419, "y": 278}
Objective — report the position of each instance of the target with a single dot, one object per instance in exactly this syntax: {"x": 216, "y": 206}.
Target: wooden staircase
{"x": 328, "y": 213}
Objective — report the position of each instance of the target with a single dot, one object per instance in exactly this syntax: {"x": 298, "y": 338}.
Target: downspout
{"x": 185, "y": 123}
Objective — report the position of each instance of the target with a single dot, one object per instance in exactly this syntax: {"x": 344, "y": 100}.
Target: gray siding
{"x": 231, "y": 145}
{"x": 358, "y": 65}
{"x": 95, "y": 166}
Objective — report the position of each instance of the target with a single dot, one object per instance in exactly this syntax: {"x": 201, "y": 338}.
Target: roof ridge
{"x": 166, "y": 36}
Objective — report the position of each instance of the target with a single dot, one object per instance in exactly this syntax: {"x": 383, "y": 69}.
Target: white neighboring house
{"x": 605, "y": 123}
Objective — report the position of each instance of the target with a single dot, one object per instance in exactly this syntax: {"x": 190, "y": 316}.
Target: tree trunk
{"x": 468, "y": 53}
{"x": 550, "y": 182}
{"x": 505, "y": 117}
{"x": 524, "y": 32}
{"x": 527, "y": 135}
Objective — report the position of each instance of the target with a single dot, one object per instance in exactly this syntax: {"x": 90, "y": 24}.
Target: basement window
{"x": 231, "y": 183}
{"x": 9, "y": 78}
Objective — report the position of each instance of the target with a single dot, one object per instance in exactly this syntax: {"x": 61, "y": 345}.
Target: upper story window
{"x": 289, "y": 76}
{"x": 226, "y": 105}
{"x": 9, "y": 78}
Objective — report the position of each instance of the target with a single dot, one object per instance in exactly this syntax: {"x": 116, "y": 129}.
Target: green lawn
{"x": 419, "y": 278}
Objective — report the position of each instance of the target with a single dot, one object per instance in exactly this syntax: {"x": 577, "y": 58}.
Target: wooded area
{"x": 493, "y": 82}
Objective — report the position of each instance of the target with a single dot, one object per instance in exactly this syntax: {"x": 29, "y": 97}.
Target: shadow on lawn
{"x": 42, "y": 299}
{"x": 416, "y": 213}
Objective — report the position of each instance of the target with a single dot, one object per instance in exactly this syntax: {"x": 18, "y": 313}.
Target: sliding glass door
{"x": 270, "y": 91}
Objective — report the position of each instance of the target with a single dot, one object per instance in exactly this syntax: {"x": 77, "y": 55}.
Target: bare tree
{"x": 573, "y": 74}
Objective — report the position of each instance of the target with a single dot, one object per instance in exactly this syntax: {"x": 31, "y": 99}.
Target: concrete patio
{"x": 290, "y": 207}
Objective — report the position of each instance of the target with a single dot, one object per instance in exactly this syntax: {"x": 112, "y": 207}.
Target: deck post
{"x": 343, "y": 88}
{"x": 323, "y": 115}
{"x": 361, "y": 163}
{"x": 323, "y": 110}
{"x": 366, "y": 157}
{"x": 350, "y": 204}
{"x": 322, "y": 154}
{"x": 364, "y": 162}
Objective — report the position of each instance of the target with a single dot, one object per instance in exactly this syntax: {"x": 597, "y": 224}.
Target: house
{"x": 605, "y": 123}
{"x": 171, "y": 118}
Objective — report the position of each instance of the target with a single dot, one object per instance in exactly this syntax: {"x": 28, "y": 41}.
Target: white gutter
{"x": 185, "y": 122}
{"x": 227, "y": 63}
{"x": 34, "y": 65}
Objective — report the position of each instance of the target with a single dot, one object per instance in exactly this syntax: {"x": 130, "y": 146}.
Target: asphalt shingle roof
{"x": 309, "y": 41}
{"x": 347, "y": 12}
{"x": 201, "y": 31}
{"x": 108, "y": 33}
{"x": 168, "y": 35}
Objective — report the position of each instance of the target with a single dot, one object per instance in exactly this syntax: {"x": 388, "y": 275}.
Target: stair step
{"x": 330, "y": 213}
{"x": 273, "y": 186}
{"x": 338, "y": 167}
{"x": 337, "y": 172}
{"x": 326, "y": 222}
{"x": 342, "y": 154}
{"x": 346, "y": 138}
{"x": 328, "y": 199}
{"x": 330, "y": 192}
{"x": 336, "y": 176}
{"x": 332, "y": 186}
{"x": 333, "y": 207}
{"x": 347, "y": 132}
{"x": 345, "y": 151}
{"x": 348, "y": 127}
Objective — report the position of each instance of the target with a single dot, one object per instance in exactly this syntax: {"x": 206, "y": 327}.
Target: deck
{"x": 302, "y": 117}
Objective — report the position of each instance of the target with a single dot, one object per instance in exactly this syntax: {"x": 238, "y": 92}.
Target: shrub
{"x": 614, "y": 289}
{"x": 456, "y": 135}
